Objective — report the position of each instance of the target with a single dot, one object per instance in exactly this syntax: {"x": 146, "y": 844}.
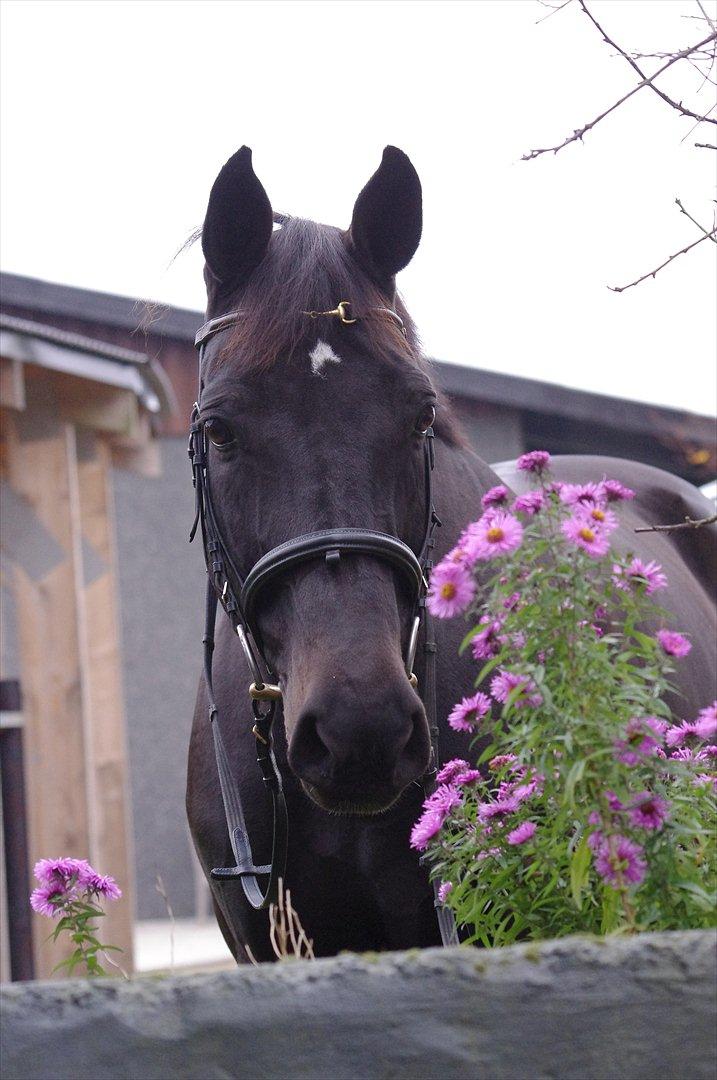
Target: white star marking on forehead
{"x": 321, "y": 354}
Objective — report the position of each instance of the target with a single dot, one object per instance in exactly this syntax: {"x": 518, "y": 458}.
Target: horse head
{"x": 316, "y": 418}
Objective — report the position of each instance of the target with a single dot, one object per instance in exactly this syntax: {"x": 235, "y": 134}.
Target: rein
{"x": 239, "y": 597}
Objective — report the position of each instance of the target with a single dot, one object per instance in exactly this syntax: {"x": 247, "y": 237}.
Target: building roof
{"x": 74, "y": 354}
{"x": 458, "y": 381}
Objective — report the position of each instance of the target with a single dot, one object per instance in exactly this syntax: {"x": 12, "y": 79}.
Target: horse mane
{"x": 308, "y": 267}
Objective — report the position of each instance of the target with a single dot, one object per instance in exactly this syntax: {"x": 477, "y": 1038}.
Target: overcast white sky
{"x": 116, "y": 117}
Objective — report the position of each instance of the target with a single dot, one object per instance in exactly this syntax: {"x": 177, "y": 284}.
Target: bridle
{"x": 240, "y": 596}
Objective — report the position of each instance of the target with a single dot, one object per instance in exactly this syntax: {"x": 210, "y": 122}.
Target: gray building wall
{"x": 161, "y": 586}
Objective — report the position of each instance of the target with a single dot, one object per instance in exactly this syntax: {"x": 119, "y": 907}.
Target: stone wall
{"x": 628, "y": 1008}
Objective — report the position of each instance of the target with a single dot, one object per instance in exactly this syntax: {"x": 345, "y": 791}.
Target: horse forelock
{"x": 309, "y": 267}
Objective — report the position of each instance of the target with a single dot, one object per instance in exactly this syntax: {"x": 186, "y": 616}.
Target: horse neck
{"x": 461, "y": 478}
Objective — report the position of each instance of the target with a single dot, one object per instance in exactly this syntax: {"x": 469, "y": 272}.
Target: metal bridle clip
{"x": 265, "y": 692}
{"x": 411, "y": 650}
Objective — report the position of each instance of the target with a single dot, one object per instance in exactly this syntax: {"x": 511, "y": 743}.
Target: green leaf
{"x": 579, "y": 869}
{"x": 574, "y": 777}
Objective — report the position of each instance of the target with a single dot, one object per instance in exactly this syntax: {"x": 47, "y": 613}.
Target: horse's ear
{"x": 238, "y": 223}
{"x": 387, "y": 219}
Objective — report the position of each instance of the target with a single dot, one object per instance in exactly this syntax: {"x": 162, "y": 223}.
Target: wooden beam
{"x": 96, "y": 406}
{"x": 106, "y": 752}
{"x": 41, "y": 470}
{"x": 12, "y": 383}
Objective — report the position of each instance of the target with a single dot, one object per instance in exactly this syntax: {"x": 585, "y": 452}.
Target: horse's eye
{"x": 425, "y": 419}
{"x": 219, "y": 433}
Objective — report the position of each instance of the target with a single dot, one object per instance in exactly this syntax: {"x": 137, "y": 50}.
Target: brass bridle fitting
{"x": 338, "y": 312}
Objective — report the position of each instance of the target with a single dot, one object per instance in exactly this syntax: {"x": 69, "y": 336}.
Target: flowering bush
{"x": 591, "y": 809}
{"x": 70, "y": 891}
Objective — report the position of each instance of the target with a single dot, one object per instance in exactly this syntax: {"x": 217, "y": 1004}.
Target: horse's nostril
{"x": 309, "y": 756}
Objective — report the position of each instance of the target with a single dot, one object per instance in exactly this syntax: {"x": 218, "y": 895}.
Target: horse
{"x": 315, "y": 407}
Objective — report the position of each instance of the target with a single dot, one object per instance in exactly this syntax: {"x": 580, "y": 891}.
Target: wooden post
{"x": 106, "y": 753}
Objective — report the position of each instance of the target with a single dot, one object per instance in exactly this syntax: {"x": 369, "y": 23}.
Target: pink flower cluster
{"x": 637, "y": 573}
{"x": 506, "y": 683}
{"x": 64, "y": 880}
{"x": 436, "y": 809}
{"x": 467, "y": 714}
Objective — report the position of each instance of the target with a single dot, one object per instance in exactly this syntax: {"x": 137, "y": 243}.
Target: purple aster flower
{"x": 443, "y": 890}
{"x": 639, "y": 573}
{"x": 613, "y": 801}
{"x": 512, "y": 602}
{"x": 466, "y": 715}
{"x": 615, "y": 491}
{"x": 684, "y": 754}
{"x": 524, "y": 832}
{"x": 495, "y": 497}
{"x": 590, "y": 537}
{"x": 500, "y": 760}
{"x": 705, "y": 778}
{"x": 641, "y": 739}
{"x": 450, "y": 770}
{"x": 497, "y": 808}
{"x": 451, "y": 589}
{"x": 498, "y": 533}
{"x": 690, "y": 731}
{"x": 49, "y": 898}
{"x": 505, "y": 682}
{"x": 648, "y": 811}
{"x": 595, "y": 840}
{"x": 536, "y": 461}
{"x": 619, "y": 860}
{"x": 61, "y": 871}
{"x": 597, "y": 516}
{"x": 488, "y": 641}
{"x": 534, "y": 786}
{"x": 572, "y": 494}
{"x": 530, "y": 503}
{"x": 427, "y": 826}
{"x": 445, "y": 798}
{"x": 470, "y": 776}
{"x": 104, "y": 885}
{"x": 672, "y": 643}
{"x": 707, "y": 720}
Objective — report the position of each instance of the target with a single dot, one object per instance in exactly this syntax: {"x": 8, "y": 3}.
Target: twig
{"x": 648, "y": 82}
{"x": 707, "y": 18}
{"x": 652, "y": 273}
{"x": 114, "y": 963}
{"x": 287, "y": 935}
{"x": 711, "y": 235}
{"x": 706, "y": 146}
{"x": 163, "y": 893}
{"x": 554, "y": 9}
{"x": 688, "y": 523}
{"x": 252, "y": 959}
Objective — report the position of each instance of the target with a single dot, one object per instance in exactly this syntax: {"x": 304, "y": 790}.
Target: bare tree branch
{"x": 711, "y": 235}
{"x": 705, "y": 146}
{"x": 711, "y": 22}
{"x": 646, "y": 81}
{"x": 554, "y": 9}
{"x": 688, "y": 523}
{"x": 653, "y": 273}
{"x": 676, "y": 56}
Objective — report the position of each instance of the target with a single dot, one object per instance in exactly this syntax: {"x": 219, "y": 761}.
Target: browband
{"x": 214, "y": 326}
